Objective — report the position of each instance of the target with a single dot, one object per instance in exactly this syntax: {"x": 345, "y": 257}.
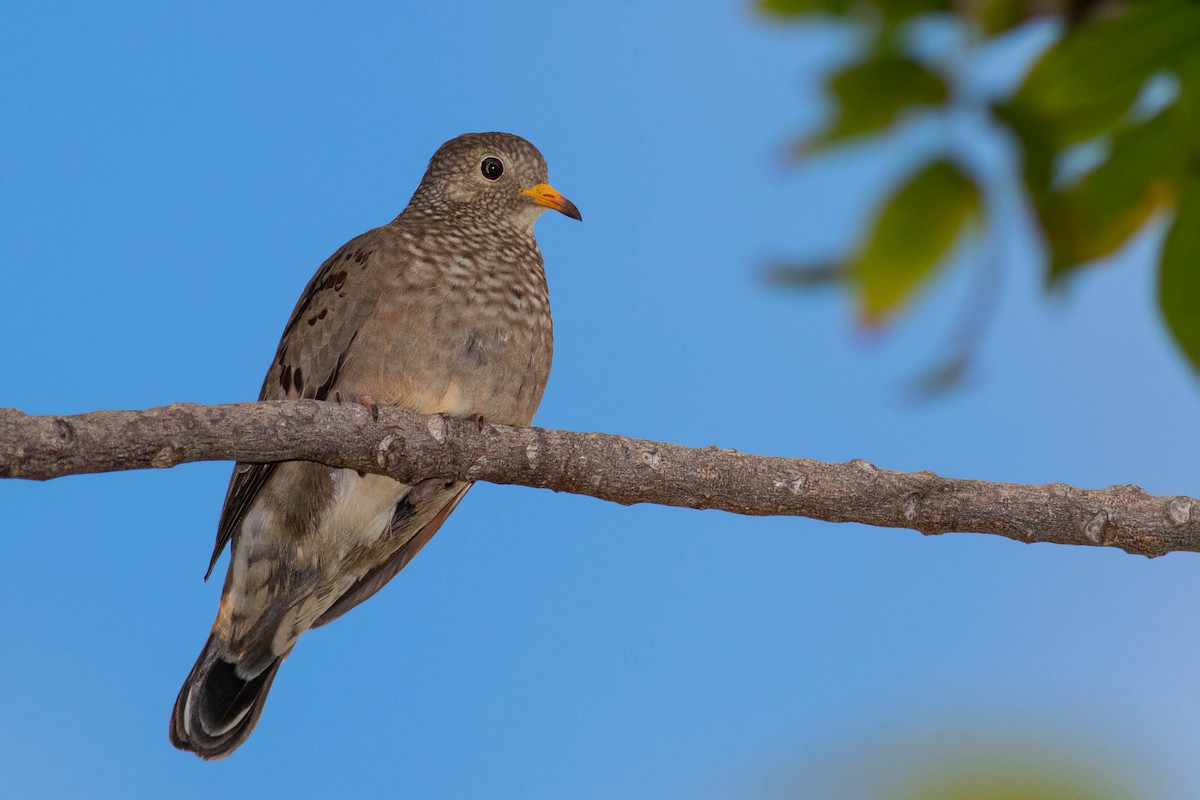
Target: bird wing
{"x": 315, "y": 346}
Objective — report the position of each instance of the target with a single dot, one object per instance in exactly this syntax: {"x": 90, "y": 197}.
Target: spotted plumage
{"x": 443, "y": 310}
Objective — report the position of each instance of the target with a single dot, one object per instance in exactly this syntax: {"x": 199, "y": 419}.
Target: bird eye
{"x": 491, "y": 168}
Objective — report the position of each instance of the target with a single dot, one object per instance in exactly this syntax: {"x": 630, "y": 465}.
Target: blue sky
{"x": 171, "y": 175}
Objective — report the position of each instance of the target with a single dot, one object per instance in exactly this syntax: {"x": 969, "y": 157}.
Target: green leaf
{"x": 890, "y": 9}
{"x": 1084, "y": 87}
{"x": 1179, "y": 274}
{"x": 1098, "y": 214}
{"x": 895, "y": 10}
{"x": 1086, "y": 83}
{"x": 1187, "y": 69}
{"x": 791, "y": 8}
{"x": 1081, "y": 123}
{"x": 997, "y": 16}
{"x": 1037, "y": 150}
{"x": 911, "y": 236}
{"x": 872, "y": 94}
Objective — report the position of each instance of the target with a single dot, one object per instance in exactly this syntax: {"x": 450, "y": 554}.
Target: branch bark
{"x": 410, "y": 446}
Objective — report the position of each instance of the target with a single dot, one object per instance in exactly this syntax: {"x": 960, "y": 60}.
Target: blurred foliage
{"x": 971, "y": 759}
{"x": 1014, "y": 780}
{"x": 873, "y": 94}
{"x": 1120, "y": 85}
{"x": 974, "y": 759}
{"x": 911, "y": 235}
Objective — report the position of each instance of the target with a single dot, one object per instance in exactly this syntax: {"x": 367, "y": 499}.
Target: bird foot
{"x": 365, "y": 400}
{"x": 478, "y": 419}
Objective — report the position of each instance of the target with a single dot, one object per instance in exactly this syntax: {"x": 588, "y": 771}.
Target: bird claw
{"x": 479, "y": 420}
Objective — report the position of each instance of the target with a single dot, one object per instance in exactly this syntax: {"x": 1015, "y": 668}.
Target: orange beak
{"x": 546, "y": 195}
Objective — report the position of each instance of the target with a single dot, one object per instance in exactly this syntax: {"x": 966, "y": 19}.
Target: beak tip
{"x": 546, "y": 195}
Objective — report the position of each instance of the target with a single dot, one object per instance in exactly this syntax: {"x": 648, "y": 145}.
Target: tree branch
{"x": 409, "y": 446}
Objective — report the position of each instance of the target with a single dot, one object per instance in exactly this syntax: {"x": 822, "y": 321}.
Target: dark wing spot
{"x": 321, "y": 281}
{"x": 285, "y": 378}
{"x": 335, "y": 281}
{"x": 298, "y": 380}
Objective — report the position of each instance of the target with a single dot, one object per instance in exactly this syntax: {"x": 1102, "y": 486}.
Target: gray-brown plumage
{"x": 442, "y": 310}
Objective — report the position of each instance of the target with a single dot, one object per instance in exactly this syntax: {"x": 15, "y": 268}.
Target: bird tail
{"x": 217, "y": 709}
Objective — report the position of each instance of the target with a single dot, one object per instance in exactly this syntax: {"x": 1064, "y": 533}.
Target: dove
{"x": 443, "y": 310}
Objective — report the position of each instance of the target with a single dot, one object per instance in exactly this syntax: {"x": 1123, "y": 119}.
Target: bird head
{"x": 498, "y": 174}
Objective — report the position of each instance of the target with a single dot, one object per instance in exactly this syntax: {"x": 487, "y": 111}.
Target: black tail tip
{"x": 216, "y": 710}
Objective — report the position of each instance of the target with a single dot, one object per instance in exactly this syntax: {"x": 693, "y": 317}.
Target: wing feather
{"x": 317, "y": 340}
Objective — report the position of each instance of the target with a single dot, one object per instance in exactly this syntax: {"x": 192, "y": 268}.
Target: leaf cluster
{"x": 1119, "y": 89}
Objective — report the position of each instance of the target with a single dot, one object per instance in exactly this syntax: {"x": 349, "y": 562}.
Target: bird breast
{"x": 471, "y": 341}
